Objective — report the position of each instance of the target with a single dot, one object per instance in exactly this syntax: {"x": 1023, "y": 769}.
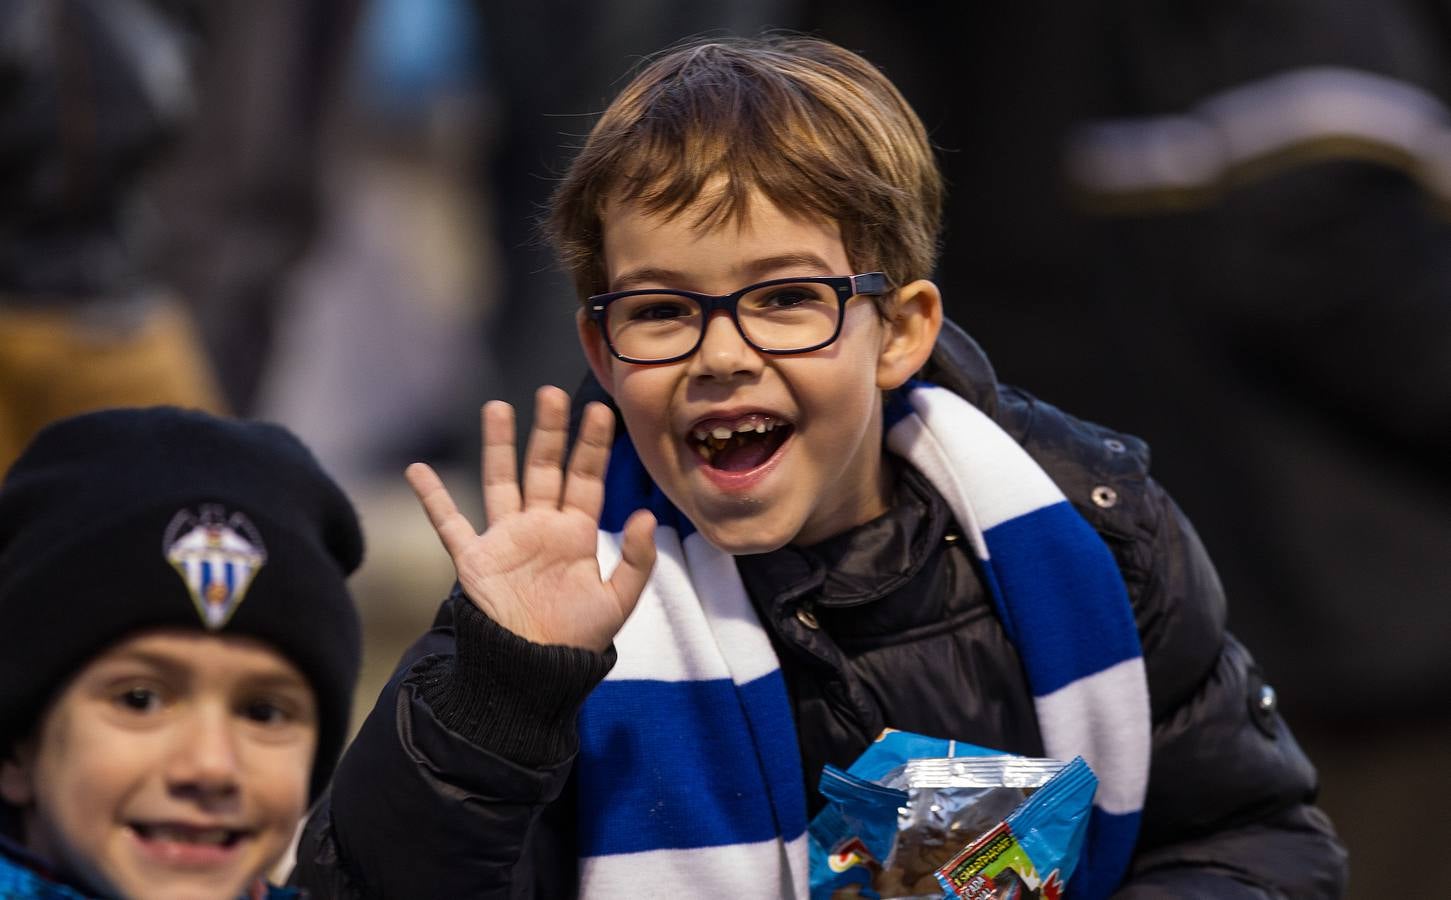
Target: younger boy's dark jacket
{"x": 459, "y": 783}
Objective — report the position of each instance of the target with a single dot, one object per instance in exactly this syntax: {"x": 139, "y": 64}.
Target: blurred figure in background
{"x": 239, "y": 198}
{"x": 380, "y": 351}
{"x": 379, "y": 328}
{"x": 157, "y": 172}
{"x": 90, "y": 90}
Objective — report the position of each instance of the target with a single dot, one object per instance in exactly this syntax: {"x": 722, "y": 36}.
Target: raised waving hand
{"x": 533, "y": 569}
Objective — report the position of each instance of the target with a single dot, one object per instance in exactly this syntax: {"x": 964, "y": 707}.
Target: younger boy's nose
{"x": 203, "y": 761}
{"x": 724, "y": 353}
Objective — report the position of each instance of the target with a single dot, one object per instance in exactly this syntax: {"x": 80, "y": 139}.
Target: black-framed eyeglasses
{"x": 780, "y": 316}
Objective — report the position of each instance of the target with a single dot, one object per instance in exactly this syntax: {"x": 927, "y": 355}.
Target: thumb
{"x": 637, "y": 559}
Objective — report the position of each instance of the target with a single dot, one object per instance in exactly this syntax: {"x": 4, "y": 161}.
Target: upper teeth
{"x": 189, "y": 835}
{"x": 758, "y": 424}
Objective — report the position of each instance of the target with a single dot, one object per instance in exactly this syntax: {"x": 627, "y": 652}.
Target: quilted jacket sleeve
{"x": 1229, "y": 812}
{"x": 446, "y": 790}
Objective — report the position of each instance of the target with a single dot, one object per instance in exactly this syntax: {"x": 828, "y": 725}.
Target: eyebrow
{"x": 159, "y": 661}
{"x": 755, "y": 270}
{"x": 175, "y": 667}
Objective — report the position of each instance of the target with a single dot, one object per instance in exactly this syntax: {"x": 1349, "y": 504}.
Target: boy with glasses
{"x": 822, "y": 517}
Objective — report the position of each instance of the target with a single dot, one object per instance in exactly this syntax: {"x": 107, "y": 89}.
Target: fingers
{"x": 499, "y": 470}
{"x": 584, "y": 485}
{"x": 545, "y": 481}
{"x": 453, "y": 528}
{"x": 637, "y": 558}
{"x": 544, "y": 458}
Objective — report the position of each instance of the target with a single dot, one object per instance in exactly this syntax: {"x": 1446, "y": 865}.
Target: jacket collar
{"x": 960, "y": 365}
{"x": 861, "y": 565}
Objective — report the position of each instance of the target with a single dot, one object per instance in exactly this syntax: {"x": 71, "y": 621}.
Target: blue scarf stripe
{"x": 1037, "y": 559}
{"x": 628, "y": 488}
{"x": 630, "y": 733}
{"x": 898, "y": 407}
{"x": 774, "y": 734}
{"x": 1101, "y": 867}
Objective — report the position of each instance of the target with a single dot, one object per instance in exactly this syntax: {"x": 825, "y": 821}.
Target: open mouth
{"x": 188, "y": 834}
{"x": 738, "y": 445}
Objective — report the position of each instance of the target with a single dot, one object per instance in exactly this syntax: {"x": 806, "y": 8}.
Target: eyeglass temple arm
{"x": 871, "y": 283}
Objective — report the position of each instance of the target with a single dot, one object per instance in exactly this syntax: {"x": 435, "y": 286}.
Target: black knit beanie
{"x": 129, "y": 519}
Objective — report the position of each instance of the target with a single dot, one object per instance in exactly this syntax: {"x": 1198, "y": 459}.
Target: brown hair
{"x": 816, "y": 128}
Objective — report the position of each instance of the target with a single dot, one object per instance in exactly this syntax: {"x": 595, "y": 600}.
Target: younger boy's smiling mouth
{"x": 737, "y": 444}
{"x": 187, "y": 844}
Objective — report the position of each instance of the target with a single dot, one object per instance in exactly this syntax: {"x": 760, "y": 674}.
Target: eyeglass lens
{"x": 782, "y": 317}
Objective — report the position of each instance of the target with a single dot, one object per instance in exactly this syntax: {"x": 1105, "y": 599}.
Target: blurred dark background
{"x": 1222, "y": 226}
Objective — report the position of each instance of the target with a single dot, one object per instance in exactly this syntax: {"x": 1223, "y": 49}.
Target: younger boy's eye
{"x": 267, "y": 712}
{"x": 139, "y": 699}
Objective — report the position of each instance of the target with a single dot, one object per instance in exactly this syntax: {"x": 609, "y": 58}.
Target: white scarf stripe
{"x": 672, "y": 874}
{"x": 728, "y": 610}
{"x": 663, "y": 640}
{"x": 992, "y": 499}
{"x": 1117, "y": 748}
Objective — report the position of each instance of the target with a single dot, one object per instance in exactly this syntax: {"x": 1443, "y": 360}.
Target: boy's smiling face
{"x": 817, "y": 469}
{"x": 175, "y": 764}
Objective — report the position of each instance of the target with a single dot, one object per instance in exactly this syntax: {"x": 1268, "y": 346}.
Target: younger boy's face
{"x": 175, "y": 764}
{"x": 817, "y": 469}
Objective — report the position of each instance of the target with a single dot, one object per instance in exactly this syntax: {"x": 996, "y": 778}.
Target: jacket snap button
{"x": 807, "y": 618}
{"x": 951, "y": 537}
{"x": 1114, "y": 445}
{"x": 1267, "y": 700}
{"x": 1104, "y": 496}
{"x": 1264, "y": 704}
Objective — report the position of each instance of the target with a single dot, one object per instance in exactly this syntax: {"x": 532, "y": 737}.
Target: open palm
{"x": 533, "y": 570}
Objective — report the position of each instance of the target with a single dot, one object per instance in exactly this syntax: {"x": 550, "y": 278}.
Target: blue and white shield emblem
{"x": 217, "y": 554}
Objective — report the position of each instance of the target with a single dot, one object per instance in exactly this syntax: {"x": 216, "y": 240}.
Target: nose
{"x": 724, "y": 353}
{"x": 204, "y": 762}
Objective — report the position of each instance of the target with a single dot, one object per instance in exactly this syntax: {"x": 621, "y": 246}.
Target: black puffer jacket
{"x": 459, "y": 783}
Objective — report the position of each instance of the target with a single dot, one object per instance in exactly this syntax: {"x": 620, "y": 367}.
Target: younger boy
{"x": 824, "y": 518}
{"x": 179, "y": 652}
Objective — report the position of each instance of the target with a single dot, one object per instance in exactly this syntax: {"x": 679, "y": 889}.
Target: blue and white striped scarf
{"x": 689, "y": 775}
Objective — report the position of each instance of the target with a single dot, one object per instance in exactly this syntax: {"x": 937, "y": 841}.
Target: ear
{"x": 595, "y": 351}
{"x": 17, "y": 786}
{"x": 914, "y": 317}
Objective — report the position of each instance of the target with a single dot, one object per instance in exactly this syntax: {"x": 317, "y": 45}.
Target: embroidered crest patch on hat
{"x": 217, "y": 554}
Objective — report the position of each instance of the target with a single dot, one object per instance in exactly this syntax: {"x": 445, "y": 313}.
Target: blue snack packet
{"x": 903, "y": 821}
{"x": 851, "y": 837}
{"x": 893, "y": 749}
{"x": 1034, "y": 851}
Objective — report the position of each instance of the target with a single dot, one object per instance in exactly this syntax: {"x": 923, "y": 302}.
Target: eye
{"x": 139, "y": 699}
{"x": 660, "y": 310}
{"x": 788, "y": 297}
{"x": 267, "y": 712}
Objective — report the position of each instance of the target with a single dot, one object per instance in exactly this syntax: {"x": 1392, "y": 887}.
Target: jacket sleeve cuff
{"x": 507, "y": 695}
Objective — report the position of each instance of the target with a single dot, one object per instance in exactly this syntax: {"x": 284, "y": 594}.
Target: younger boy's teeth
{"x": 185, "y": 835}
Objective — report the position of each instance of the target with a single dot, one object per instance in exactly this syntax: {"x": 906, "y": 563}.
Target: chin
{"x": 166, "y": 886}
{"x": 744, "y": 539}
